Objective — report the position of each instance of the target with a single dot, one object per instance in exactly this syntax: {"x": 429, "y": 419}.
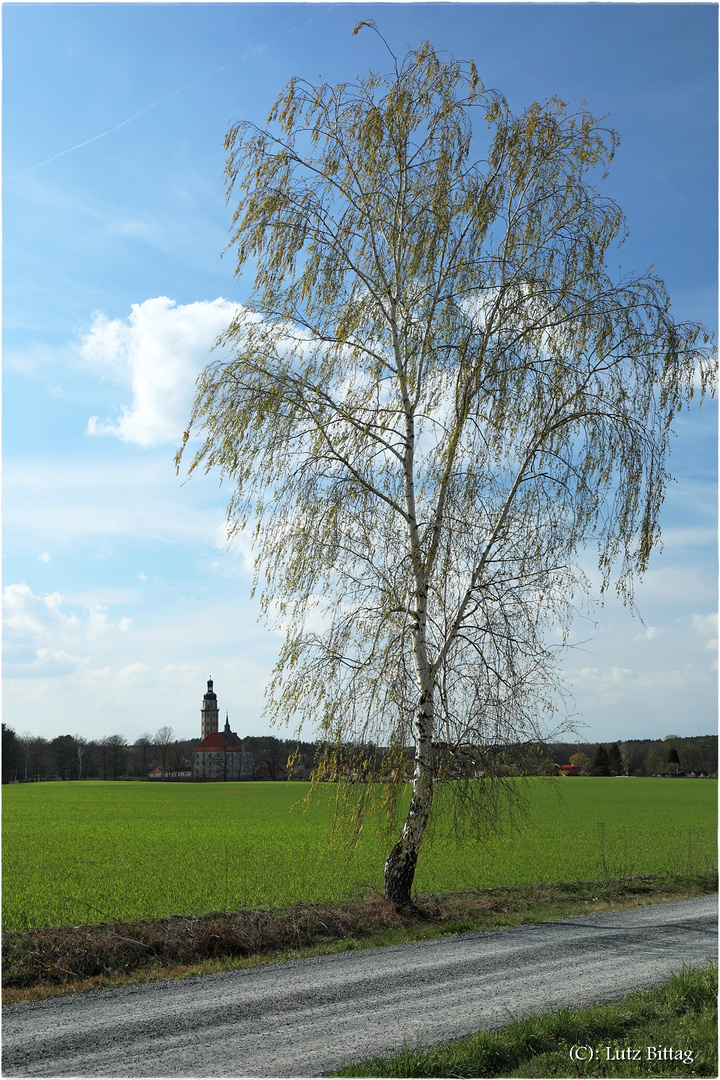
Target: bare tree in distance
{"x": 143, "y": 747}
{"x": 272, "y": 752}
{"x": 437, "y": 398}
{"x": 26, "y": 738}
{"x": 180, "y": 756}
{"x": 114, "y": 747}
{"x": 39, "y": 763}
{"x": 164, "y": 736}
{"x": 63, "y": 751}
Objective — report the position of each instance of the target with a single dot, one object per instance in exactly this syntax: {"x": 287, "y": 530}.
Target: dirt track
{"x": 306, "y": 1017}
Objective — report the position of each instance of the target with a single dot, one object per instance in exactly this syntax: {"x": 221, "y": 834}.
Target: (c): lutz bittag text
{"x": 631, "y": 1053}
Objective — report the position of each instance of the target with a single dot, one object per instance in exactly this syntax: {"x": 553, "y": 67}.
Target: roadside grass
{"x": 74, "y": 959}
{"x": 680, "y": 1015}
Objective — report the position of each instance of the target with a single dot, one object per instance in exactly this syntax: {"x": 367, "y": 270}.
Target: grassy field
{"x": 81, "y": 853}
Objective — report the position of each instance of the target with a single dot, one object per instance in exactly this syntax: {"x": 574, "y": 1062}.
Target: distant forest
{"x": 27, "y": 758}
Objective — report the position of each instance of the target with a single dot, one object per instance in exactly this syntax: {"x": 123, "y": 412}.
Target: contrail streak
{"x": 146, "y": 108}
{"x": 87, "y": 141}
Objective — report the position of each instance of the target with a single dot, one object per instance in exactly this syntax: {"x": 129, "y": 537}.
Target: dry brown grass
{"x": 37, "y": 963}
{"x": 81, "y": 952}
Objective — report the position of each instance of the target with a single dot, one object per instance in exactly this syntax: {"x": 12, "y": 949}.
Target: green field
{"x": 90, "y": 852}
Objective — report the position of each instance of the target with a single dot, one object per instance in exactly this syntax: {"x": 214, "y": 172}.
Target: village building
{"x": 220, "y": 755}
{"x": 169, "y": 774}
{"x": 567, "y": 770}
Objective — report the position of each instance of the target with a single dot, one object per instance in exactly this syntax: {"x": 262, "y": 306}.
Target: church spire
{"x": 227, "y": 724}
{"x": 209, "y": 712}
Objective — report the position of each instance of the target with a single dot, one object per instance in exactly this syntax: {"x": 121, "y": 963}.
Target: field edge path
{"x": 304, "y": 1018}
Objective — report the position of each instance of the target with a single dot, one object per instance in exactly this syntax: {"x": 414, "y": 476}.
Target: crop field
{"x": 91, "y": 852}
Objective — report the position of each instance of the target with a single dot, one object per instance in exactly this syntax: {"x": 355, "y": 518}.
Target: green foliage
{"x": 94, "y": 852}
{"x": 615, "y": 760}
{"x": 11, "y": 756}
{"x": 681, "y": 1013}
{"x": 601, "y": 762}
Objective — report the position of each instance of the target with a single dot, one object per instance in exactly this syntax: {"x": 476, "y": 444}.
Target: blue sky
{"x": 121, "y": 593}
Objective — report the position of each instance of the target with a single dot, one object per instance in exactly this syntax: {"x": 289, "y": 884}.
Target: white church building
{"x": 220, "y": 755}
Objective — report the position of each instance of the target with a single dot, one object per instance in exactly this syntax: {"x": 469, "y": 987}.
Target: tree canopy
{"x": 436, "y": 398}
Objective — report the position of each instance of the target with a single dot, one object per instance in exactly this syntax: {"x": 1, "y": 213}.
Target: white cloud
{"x": 707, "y": 626}
{"x": 57, "y": 661}
{"x": 44, "y": 557}
{"x": 158, "y": 352}
{"x": 131, "y": 673}
{"x": 55, "y": 689}
{"x": 27, "y": 617}
{"x": 98, "y": 622}
{"x": 238, "y": 544}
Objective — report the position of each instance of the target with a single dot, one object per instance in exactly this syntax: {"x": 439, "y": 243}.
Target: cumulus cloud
{"x": 587, "y": 673}
{"x": 707, "y": 626}
{"x": 98, "y": 622}
{"x": 158, "y": 353}
{"x": 40, "y": 618}
{"x": 28, "y": 615}
{"x": 58, "y": 662}
{"x": 238, "y": 543}
{"x": 133, "y": 672}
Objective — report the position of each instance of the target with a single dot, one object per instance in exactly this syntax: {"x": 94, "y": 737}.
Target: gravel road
{"x": 306, "y": 1017}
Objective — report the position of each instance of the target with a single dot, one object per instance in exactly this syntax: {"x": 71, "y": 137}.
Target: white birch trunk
{"x": 402, "y": 860}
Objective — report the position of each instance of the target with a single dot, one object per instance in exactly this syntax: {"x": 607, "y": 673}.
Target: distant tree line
{"x": 27, "y": 758}
{"x": 644, "y": 757}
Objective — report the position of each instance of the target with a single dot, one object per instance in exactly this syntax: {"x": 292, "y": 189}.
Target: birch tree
{"x": 435, "y": 399}
{"x": 80, "y": 744}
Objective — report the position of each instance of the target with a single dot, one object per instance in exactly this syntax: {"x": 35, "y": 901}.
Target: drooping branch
{"x": 438, "y": 398}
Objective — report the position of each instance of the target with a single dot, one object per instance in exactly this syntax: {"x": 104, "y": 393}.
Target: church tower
{"x": 209, "y": 712}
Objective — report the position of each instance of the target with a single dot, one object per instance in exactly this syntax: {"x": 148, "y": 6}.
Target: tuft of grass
{"x": 73, "y": 959}
{"x": 680, "y": 1015}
